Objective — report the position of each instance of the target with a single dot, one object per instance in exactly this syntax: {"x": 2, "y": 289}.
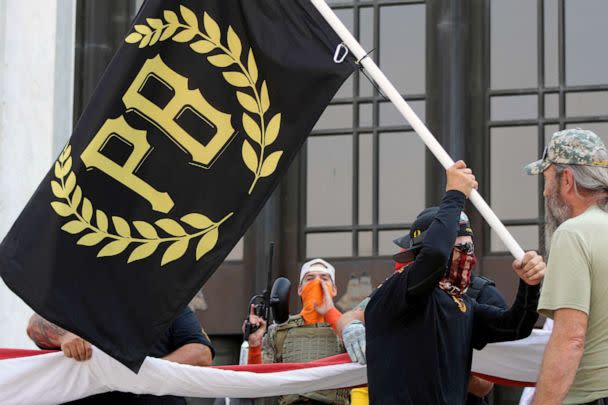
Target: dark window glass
{"x": 366, "y": 180}
{"x": 551, "y": 105}
{"x": 402, "y": 177}
{"x": 402, "y": 46}
{"x": 587, "y": 103}
{"x": 514, "y": 107}
{"x": 329, "y": 180}
{"x": 586, "y": 33}
{"x": 334, "y": 244}
{"x": 336, "y": 117}
{"x": 513, "y": 44}
{"x": 513, "y": 194}
{"x": 551, "y": 43}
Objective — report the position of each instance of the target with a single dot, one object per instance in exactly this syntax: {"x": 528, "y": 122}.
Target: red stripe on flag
{"x": 15, "y": 353}
{"x": 277, "y": 367}
{"x": 504, "y": 381}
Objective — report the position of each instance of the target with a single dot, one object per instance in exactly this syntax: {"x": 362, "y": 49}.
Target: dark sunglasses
{"x": 467, "y": 248}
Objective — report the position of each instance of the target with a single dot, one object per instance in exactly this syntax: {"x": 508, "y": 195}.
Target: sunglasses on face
{"x": 467, "y": 248}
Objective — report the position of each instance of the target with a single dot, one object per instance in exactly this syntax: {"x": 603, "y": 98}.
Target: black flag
{"x": 193, "y": 124}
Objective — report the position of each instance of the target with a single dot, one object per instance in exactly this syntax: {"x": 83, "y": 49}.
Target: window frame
{"x": 541, "y": 121}
{"x": 356, "y": 100}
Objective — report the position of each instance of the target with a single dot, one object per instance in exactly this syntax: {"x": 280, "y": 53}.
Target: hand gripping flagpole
{"x": 389, "y": 90}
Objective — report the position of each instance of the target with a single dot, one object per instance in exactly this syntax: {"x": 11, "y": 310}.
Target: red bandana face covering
{"x": 459, "y": 276}
{"x": 399, "y": 266}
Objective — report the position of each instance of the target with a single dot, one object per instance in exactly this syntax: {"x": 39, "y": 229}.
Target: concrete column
{"x": 36, "y": 76}
{"x": 446, "y": 84}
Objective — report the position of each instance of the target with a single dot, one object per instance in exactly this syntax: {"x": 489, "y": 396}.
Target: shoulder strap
{"x": 477, "y": 284}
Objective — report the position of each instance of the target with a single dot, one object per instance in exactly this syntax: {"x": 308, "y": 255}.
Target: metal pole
{"x": 447, "y": 103}
{"x": 389, "y": 90}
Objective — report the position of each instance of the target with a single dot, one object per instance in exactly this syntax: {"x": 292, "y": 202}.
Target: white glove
{"x": 353, "y": 337}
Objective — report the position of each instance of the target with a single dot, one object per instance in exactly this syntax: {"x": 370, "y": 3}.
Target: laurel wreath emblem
{"x": 263, "y": 133}
{"x": 76, "y": 205}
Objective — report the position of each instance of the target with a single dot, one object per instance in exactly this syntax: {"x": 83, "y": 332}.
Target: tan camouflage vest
{"x": 296, "y": 343}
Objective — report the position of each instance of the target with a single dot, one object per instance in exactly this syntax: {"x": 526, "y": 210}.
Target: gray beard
{"x": 556, "y": 212}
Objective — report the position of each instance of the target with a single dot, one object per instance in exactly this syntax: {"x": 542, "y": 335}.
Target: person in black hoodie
{"x": 420, "y": 326}
{"x": 481, "y": 289}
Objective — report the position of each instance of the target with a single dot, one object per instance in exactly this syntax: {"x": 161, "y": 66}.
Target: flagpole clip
{"x": 341, "y": 53}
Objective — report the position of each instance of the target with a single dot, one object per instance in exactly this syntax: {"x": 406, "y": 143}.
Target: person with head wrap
{"x": 459, "y": 279}
{"x": 307, "y": 336}
{"x": 421, "y": 327}
{"x": 481, "y": 289}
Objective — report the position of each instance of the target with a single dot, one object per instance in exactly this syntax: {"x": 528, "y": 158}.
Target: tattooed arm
{"x": 47, "y": 335}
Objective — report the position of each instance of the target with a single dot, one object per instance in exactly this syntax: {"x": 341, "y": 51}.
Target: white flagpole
{"x": 389, "y": 90}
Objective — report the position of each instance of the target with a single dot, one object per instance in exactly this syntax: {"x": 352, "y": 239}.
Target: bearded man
{"x": 575, "y": 291}
{"x": 421, "y": 327}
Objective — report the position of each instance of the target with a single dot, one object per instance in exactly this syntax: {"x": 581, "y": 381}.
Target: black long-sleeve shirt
{"x": 419, "y": 343}
{"x": 489, "y": 295}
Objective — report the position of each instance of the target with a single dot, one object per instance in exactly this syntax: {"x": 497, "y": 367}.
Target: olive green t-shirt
{"x": 577, "y": 278}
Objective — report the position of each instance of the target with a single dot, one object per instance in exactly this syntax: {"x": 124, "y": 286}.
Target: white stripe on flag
{"x": 53, "y": 378}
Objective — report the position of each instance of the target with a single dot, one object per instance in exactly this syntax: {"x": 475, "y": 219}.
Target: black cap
{"x": 412, "y": 241}
{"x": 420, "y": 225}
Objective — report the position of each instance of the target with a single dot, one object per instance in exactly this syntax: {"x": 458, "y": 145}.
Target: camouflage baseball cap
{"x": 571, "y": 147}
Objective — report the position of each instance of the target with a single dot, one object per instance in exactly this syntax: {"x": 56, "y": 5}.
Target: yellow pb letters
{"x": 183, "y": 98}
{"x": 125, "y": 174}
